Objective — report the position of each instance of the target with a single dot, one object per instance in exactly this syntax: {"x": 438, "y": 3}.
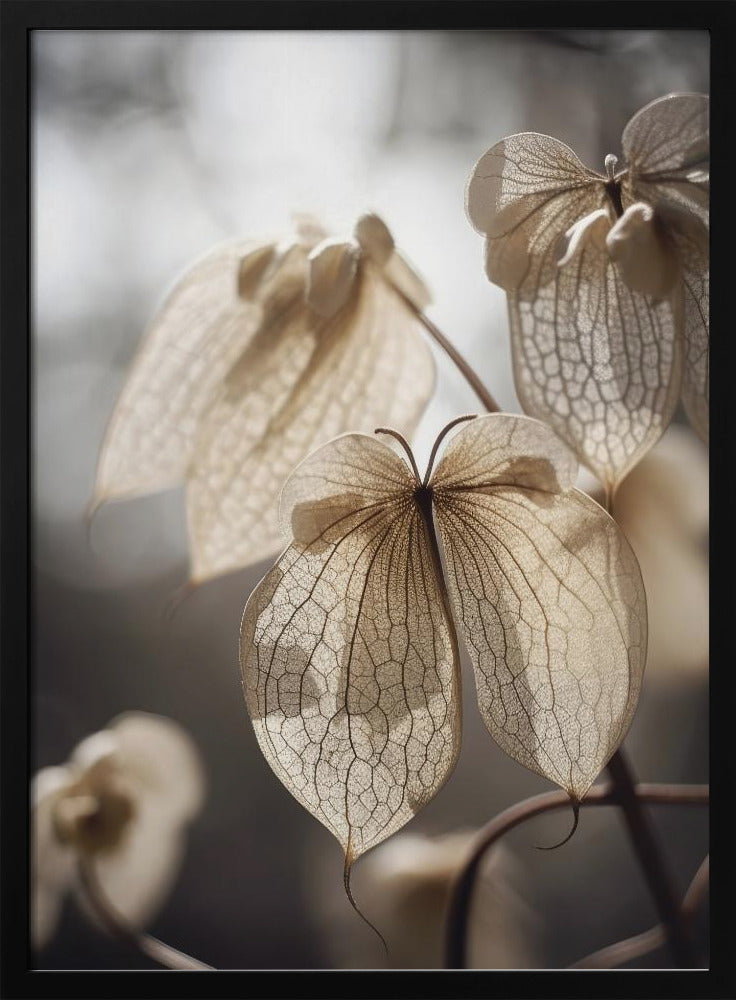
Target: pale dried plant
{"x": 349, "y": 647}
{"x": 260, "y": 353}
{"x": 266, "y": 355}
{"x": 606, "y": 279}
{"x": 112, "y": 822}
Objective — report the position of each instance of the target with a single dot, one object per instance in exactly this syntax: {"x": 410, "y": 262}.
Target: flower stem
{"x": 599, "y": 795}
{"x": 453, "y": 354}
{"x": 651, "y": 861}
{"x": 120, "y": 928}
{"x": 638, "y": 945}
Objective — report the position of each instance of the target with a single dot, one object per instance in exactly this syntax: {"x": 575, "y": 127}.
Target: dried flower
{"x": 261, "y": 353}
{"x": 349, "y": 651}
{"x": 606, "y": 278}
{"x": 123, "y": 801}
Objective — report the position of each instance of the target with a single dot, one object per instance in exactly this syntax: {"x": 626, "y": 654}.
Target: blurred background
{"x": 148, "y": 149}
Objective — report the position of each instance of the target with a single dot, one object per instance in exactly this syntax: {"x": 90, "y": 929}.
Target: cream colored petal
{"x": 523, "y": 195}
{"x": 52, "y": 863}
{"x": 193, "y": 341}
{"x": 330, "y": 479}
{"x": 548, "y": 598}
{"x": 374, "y": 238}
{"x": 333, "y": 267}
{"x": 139, "y": 874}
{"x": 400, "y": 273}
{"x": 646, "y": 261}
{"x": 253, "y": 268}
{"x": 667, "y": 146}
{"x": 502, "y": 449}
{"x": 162, "y": 760}
{"x": 369, "y": 365}
{"x": 594, "y": 227}
{"x": 349, "y": 660}
{"x": 597, "y": 361}
{"x": 522, "y": 172}
{"x": 668, "y": 134}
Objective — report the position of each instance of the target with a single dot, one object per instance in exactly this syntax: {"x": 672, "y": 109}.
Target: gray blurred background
{"x": 150, "y": 147}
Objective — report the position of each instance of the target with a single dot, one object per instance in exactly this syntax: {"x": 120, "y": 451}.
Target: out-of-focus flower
{"x": 261, "y": 353}
{"x": 405, "y": 889}
{"x": 122, "y": 802}
{"x": 662, "y": 506}
{"x": 606, "y": 278}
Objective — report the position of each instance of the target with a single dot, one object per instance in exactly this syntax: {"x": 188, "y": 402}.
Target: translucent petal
{"x": 374, "y": 238}
{"x": 667, "y": 146}
{"x": 505, "y": 450}
{"x": 349, "y": 659}
{"x": 402, "y": 275}
{"x": 307, "y": 380}
{"x": 333, "y": 266}
{"x": 597, "y": 361}
{"x": 645, "y": 260}
{"x": 696, "y": 368}
{"x": 548, "y": 597}
{"x": 193, "y": 341}
{"x": 523, "y": 194}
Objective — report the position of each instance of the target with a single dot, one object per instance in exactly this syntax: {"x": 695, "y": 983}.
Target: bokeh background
{"x": 150, "y": 147}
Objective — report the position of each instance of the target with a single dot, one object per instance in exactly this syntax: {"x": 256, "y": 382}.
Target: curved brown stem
{"x": 654, "y": 870}
{"x": 453, "y": 354}
{"x": 638, "y": 945}
{"x": 599, "y": 795}
{"x": 119, "y": 927}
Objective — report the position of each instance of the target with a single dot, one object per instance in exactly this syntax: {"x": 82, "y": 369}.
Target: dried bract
{"x": 606, "y": 278}
{"x": 348, "y": 645}
{"x": 123, "y": 801}
{"x": 261, "y": 353}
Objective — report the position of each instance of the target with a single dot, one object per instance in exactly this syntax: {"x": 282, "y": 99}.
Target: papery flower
{"x": 405, "y": 886}
{"x": 123, "y": 803}
{"x": 606, "y": 278}
{"x": 261, "y": 353}
{"x": 349, "y": 648}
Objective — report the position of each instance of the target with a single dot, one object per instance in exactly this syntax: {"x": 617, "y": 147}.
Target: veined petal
{"x": 349, "y": 659}
{"x": 505, "y": 450}
{"x": 400, "y": 273}
{"x": 333, "y": 267}
{"x": 696, "y": 302}
{"x": 548, "y": 597}
{"x": 597, "y": 361}
{"x": 308, "y": 381}
{"x": 193, "y": 341}
{"x": 523, "y": 194}
{"x": 667, "y": 146}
